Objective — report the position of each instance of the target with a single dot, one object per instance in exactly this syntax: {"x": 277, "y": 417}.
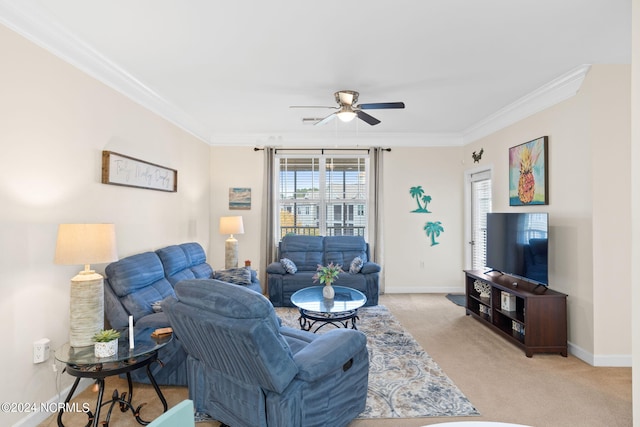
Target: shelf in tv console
{"x": 534, "y": 317}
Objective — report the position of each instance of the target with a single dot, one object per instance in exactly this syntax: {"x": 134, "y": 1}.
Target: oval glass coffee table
{"x": 317, "y": 311}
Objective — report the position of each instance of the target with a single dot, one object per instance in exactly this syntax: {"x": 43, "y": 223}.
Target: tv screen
{"x": 517, "y": 245}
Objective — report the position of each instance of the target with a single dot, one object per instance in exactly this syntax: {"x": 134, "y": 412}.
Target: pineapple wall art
{"x": 528, "y": 176}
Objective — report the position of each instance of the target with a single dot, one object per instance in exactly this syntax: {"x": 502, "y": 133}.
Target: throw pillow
{"x": 356, "y": 265}
{"x": 237, "y": 276}
{"x": 288, "y": 265}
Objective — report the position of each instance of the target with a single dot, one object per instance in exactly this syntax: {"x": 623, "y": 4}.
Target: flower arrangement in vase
{"x": 327, "y": 274}
{"x": 106, "y": 343}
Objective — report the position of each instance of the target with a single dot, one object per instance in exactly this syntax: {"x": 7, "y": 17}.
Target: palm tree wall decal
{"x": 433, "y": 230}
{"x": 418, "y": 194}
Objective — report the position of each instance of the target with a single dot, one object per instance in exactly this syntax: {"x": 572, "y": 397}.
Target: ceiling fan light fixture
{"x": 346, "y": 114}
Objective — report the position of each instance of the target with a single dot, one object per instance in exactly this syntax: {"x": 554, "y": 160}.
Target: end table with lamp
{"x": 81, "y": 362}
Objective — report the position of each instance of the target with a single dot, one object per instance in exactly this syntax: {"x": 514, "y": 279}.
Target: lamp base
{"x": 230, "y": 253}
{"x": 86, "y": 309}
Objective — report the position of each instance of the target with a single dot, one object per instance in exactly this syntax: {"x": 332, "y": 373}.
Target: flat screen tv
{"x": 517, "y": 245}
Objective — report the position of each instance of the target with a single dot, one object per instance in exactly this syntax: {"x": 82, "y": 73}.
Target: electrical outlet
{"x": 41, "y": 350}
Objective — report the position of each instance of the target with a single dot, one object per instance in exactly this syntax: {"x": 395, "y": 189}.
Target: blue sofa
{"x": 137, "y": 284}
{"x": 306, "y": 252}
{"x": 245, "y": 369}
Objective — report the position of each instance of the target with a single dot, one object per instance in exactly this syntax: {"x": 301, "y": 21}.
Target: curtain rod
{"x": 322, "y": 150}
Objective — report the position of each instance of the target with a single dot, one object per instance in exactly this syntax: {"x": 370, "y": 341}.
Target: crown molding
{"x": 46, "y": 33}
{"x": 301, "y": 140}
{"x": 554, "y": 92}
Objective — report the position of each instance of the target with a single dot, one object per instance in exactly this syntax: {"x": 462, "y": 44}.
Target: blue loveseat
{"x": 306, "y": 252}
{"x": 136, "y": 285}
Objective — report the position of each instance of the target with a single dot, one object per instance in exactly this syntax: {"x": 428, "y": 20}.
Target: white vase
{"x": 106, "y": 349}
{"x": 328, "y": 291}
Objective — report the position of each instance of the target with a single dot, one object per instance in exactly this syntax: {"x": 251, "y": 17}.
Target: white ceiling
{"x": 228, "y": 71}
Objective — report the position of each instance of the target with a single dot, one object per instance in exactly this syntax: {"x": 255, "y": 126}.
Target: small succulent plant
{"x": 106, "y": 335}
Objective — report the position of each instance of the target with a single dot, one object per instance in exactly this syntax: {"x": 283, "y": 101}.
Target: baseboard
{"x": 609, "y": 360}
{"x": 36, "y": 418}
{"x": 430, "y": 290}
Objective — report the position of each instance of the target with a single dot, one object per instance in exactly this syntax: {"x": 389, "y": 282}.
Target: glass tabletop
{"x": 144, "y": 343}
{"x": 345, "y": 299}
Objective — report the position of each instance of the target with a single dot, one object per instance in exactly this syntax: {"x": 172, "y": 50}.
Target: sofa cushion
{"x": 237, "y": 276}
{"x": 370, "y": 267}
{"x": 194, "y": 252}
{"x": 356, "y": 265}
{"x": 155, "y": 320}
{"x": 197, "y": 260}
{"x": 175, "y": 263}
{"x": 343, "y": 249}
{"x": 289, "y": 266}
{"x": 139, "y": 281}
{"x": 305, "y": 251}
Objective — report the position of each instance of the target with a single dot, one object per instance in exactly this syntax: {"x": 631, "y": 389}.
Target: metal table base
{"x": 99, "y": 373}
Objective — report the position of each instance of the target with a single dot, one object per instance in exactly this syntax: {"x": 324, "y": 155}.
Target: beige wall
{"x": 236, "y": 167}
{"x": 589, "y": 208}
{"x": 635, "y": 207}
{"x": 54, "y": 123}
{"x": 411, "y": 263}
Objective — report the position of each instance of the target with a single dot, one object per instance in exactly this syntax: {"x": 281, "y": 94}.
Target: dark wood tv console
{"x": 537, "y": 321}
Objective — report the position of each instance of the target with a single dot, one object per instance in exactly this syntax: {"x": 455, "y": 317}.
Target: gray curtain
{"x": 376, "y": 214}
{"x": 267, "y": 241}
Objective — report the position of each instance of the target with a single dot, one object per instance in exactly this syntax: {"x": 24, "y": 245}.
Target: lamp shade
{"x": 231, "y": 225}
{"x": 86, "y": 244}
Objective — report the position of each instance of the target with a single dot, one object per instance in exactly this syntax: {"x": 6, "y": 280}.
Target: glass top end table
{"x": 317, "y": 311}
{"x": 81, "y": 362}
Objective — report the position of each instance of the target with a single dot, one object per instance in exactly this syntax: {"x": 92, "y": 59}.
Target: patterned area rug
{"x": 404, "y": 381}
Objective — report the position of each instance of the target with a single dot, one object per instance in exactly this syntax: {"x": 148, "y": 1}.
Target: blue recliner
{"x": 245, "y": 369}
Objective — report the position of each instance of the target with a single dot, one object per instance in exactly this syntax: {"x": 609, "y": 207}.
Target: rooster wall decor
{"x": 477, "y": 157}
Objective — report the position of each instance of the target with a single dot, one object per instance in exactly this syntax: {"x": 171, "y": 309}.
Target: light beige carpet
{"x": 503, "y": 384}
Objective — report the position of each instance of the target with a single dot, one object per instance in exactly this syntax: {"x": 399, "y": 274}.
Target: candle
{"x": 131, "y": 341}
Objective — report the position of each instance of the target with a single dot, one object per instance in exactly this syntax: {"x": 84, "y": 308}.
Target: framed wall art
{"x": 118, "y": 169}
{"x": 528, "y": 173}
{"x": 239, "y": 198}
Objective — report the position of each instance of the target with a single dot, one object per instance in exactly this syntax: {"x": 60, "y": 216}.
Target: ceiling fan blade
{"x": 312, "y": 106}
{"x": 381, "y": 105}
{"x": 326, "y": 119}
{"x": 311, "y": 120}
{"x": 367, "y": 118}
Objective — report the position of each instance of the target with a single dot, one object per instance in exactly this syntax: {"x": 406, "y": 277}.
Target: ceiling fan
{"x": 347, "y": 110}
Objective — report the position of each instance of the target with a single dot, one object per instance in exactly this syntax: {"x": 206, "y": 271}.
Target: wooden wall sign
{"x": 118, "y": 169}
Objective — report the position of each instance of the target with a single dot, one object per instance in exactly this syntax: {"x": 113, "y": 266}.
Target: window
{"x": 322, "y": 195}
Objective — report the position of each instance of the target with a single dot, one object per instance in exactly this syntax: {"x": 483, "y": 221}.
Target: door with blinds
{"x": 479, "y": 190}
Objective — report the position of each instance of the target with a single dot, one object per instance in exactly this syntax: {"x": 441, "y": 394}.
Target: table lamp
{"x": 86, "y": 244}
{"x": 231, "y": 225}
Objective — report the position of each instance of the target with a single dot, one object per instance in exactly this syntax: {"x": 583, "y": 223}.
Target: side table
{"x": 82, "y": 363}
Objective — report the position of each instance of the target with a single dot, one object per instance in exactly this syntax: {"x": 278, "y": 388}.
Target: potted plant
{"x": 327, "y": 274}
{"x": 106, "y": 343}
